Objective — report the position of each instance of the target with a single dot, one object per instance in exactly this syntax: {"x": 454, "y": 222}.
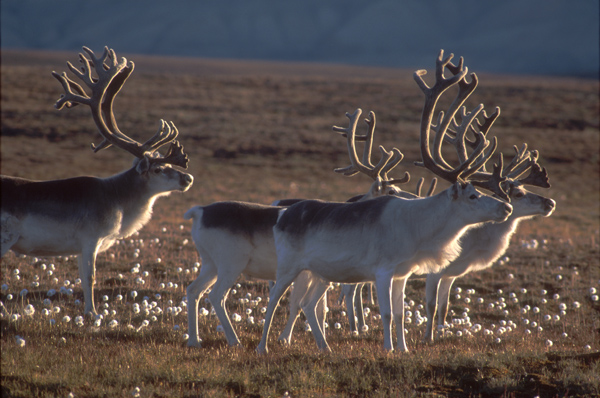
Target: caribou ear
{"x": 456, "y": 190}
{"x": 376, "y": 188}
{"x": 143, "y": 165}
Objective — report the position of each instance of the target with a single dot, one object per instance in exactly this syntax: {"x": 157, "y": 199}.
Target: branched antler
{"x": 420, "y": 186}
{"x": 389, "y": 159}
{"x": 526, "y": 161}
{"x": 482, "y": 148}
{"x": 110, "y": 76}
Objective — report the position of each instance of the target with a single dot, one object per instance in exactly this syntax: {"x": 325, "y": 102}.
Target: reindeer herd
{"x": 382, "y": 237}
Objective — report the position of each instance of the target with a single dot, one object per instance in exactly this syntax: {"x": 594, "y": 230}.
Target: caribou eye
{"x": 473, "y": 196}
{"x": 157, "y": 170}
{"x": 519, "y": 195}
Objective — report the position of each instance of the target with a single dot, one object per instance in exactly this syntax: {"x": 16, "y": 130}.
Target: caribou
{"x": 301, "y": 298}
{"x": 236, "y": 238}
{"x": 386, "y": 239}
{"x": 86, "y": 215}
{"x": 483, "y": 245}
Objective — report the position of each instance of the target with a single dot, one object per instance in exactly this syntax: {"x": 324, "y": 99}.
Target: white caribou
{"x": 86, "y": 215}
{"x": 482, "y": 246}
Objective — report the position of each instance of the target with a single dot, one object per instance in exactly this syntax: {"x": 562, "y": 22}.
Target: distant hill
{"x": 547, "y": 37}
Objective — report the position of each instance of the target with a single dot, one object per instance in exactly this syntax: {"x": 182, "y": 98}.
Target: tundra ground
{"x": 262, "y": 131}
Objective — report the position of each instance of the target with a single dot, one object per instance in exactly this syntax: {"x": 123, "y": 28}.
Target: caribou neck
{"x": 494, "y": 237}
{"x": 132, "y": 198}
{"x": 449, "y": 227}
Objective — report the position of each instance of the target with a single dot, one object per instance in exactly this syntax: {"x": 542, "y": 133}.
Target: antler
{"x": 526, "y": 161}
{"x": 522, "y": 162}
{"x": 431, "y": 186}
{"x": 538, "y": 176}
{"x": 110, "y": 78}
{"x": 469, "y": 164}
{"x": 175, "y": 154}
{"x": 388, "y": 160}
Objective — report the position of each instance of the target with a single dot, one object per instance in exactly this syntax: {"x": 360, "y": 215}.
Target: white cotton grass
{"x": 529, "y": 313}
{"x": 20, "y": 341}
{"x": 29, "y": 310}
{"x": 307, "y": 327}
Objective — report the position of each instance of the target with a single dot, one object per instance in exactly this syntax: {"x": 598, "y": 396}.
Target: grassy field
{"x": 262, "y": 131}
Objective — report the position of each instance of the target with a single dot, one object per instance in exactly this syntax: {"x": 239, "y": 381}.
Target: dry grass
{"x": 258, "y": 132}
